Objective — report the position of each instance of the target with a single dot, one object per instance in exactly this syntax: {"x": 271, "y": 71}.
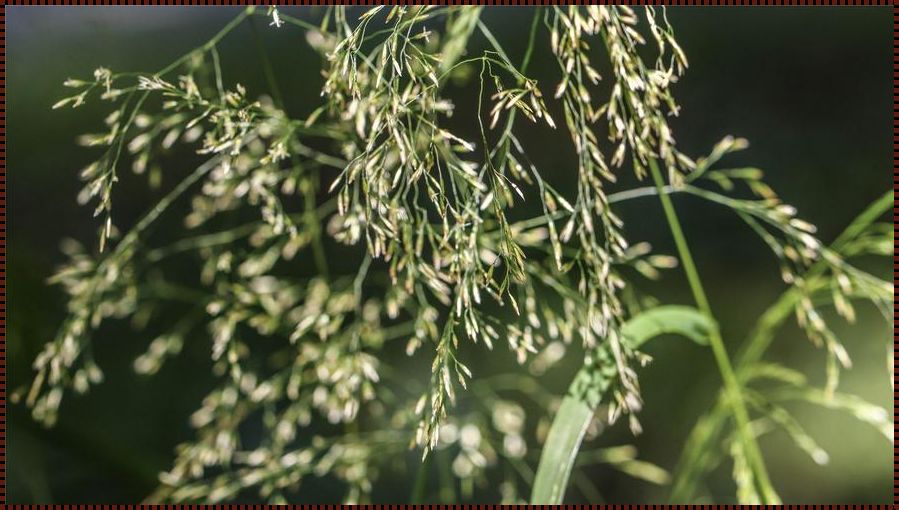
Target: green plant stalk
{"x": 447, "y": 491}
{"x": 208, "y": 45}
{"x": 709, "y": 427}
{"x": 731, "y": 382}
{"x": 160, "y": 207}
{"x": 421, "y": 482}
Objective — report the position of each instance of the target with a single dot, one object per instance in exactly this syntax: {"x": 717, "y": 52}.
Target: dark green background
{"x": 809, "y": 87}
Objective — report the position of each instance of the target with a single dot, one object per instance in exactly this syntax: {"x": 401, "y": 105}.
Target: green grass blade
{"x": 458, "y": 33}
{"x": 560, "y": 450}
{"x": 574, "y": 415}
{"x": 685, "y": 321}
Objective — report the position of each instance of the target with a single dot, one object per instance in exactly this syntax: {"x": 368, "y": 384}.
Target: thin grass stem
{"x": 731, "y": 382}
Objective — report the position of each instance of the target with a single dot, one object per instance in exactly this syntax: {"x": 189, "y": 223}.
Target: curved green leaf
{"x": 574, "y": 415}
{"x": 669, "y": 319}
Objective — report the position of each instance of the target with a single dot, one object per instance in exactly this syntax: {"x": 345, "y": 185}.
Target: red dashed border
{"x": 3, "y": 5}
{"x": 3, "y": 253}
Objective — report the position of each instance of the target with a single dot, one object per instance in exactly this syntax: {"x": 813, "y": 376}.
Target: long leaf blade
{"x": 574, "y": 415}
